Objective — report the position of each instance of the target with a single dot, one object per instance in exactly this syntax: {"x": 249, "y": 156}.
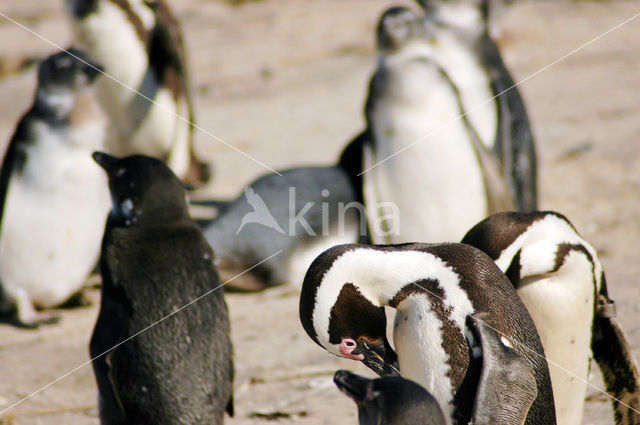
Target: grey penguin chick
{"x": 53, "y": 196}
{"x": 140, "y": 44}
{"x": 391, "y": 400}
{"x": 154, "y": 262}
{"x": 559, "y": 277}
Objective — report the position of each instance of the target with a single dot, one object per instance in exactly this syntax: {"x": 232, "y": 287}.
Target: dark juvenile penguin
{"x": 560, "y": 279}
{"x": 140, "y": 44}
{"x": 505, "y": 392}
{"x": 392, "y": 400}
{"x": 298, "y": 214}
{"x": 154, "y": 262}
{"x": 434, "y": 288}
{"x": 473, "y": 61}
{"x": 53, "y": 197}
{"x": 415, "y": 133}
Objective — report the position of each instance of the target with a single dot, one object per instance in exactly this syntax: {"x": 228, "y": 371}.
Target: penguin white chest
{"x": 54, "y": 218}
{"x": 430, "y": 172}
{"x": 418, "y": 339}
{"x": 564, "y": 326}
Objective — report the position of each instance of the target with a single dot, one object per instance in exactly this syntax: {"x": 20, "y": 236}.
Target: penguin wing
{"x": 614, "y": 356}
{"x": 14, "y": 159}
{"x": 507, "y": 386}
{"x": 514, "y": 145}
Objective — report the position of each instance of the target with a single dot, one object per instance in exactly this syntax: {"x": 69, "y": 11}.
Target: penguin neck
{"x": 54, "y": 105}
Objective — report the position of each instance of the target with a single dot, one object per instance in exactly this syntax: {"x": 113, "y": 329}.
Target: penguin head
{"x": 397, "y": 27}
{"x": 68, "y": 70}
{"x": 143, "y": 190}
{"x": 339, "y": 317}
{"x": 390, "y": 400}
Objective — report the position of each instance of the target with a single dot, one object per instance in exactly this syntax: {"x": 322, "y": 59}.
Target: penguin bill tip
{"x": 104, "y": 160}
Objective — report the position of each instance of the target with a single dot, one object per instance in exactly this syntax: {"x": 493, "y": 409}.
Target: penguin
{"x": 467, "y": 51}
{"x": 291, "y": 217}
{"x": 391, "y": 400}
{"x": 53, "y": 197}
{"x": 560, "y": 279}
{"x": 505, "y": 392}
{"x": 433, "y": 288}
{"x": 154, "y": 361}
{"x": 140, "y": 44}
{"x": 414, "y": 105}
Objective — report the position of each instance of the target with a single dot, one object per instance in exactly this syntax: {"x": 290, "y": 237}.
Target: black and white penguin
{"x": 414, "y": 105}
{"x": 560, "y": 279}
{"x": 466, "y": 50}
{"x": 154, "y": 364}
{"x": 140, "y": 44}
{"x": 506, "y": 389}
{"x": 391, "y": 400}
{"x": 53, "y": 195}
{"x": 434, "y": 288}
{"x": 292, "y": 217}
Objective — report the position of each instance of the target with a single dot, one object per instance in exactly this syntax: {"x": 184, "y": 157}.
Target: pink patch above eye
{"x": 347, "y": 345}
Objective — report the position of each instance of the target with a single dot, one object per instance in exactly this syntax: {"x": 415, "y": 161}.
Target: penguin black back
{"x": 154, "y": 262}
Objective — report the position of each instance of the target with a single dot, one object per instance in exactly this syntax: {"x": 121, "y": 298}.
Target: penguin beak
{"x": 106, "y": 161}
{"x": 378, "y": 356}
{"x": 351, "y": 384}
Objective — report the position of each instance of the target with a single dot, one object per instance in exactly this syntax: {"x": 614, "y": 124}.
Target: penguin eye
{"x": 65, "y": 62}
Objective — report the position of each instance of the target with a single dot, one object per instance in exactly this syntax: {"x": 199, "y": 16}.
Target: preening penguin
{"x": 53, "y": 197}
{"x": 561, "y": 281}
{"x": 155, "y": 261}
{"x": 506, "y": 389}
{"x": 140, "y": 44}
{"x": 472, "y": 59}
{"x": 434, "y": 288}
{"x": 414, "y": 105}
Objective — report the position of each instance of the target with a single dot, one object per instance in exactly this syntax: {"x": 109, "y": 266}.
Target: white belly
{"x": 417, "y": 337}
{"x": 436, "y": 185}
{"x": 564, "y": 326}
{"x": 53, "y": 223}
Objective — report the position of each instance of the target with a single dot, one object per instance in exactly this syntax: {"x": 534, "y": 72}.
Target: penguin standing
{"x": 140, "y": 44}
{"x": 505, "y": 392}
{"x": 472, "y": 59}
{"x": 561, "y": 281}
{"x": 154, "y": 262}
{"x": 434, "y": 289}
{"x": 53, "y": 197}
{"x": 447, "y": 179}
{"x": 296, "y": 215}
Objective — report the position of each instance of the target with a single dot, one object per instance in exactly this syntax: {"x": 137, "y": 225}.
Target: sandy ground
{"x": 284, "y": 81}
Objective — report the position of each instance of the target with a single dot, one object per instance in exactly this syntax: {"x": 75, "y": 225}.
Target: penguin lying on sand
{"x": 53, "y": 196}
{"x": 434, "y": 289}
{"x": 299, "y": 214}
{"x": 560, "y": 279}
{"x": 140, "y": 44}
{"x": 506, "y": 389}
{"x": 165, "y": 368}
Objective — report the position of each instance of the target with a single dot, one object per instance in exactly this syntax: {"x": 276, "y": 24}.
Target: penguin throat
{"x": 54, "y": 104}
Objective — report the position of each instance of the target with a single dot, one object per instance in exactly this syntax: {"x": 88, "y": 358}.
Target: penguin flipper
{"x": 514, "y": 145}
{"x": 507, "y": 386}
{"x": 14, "y": 159}
{"x": 619, "y": 369}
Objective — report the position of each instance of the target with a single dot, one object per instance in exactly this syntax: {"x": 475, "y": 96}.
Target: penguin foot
{"x": 27, "y": 317}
